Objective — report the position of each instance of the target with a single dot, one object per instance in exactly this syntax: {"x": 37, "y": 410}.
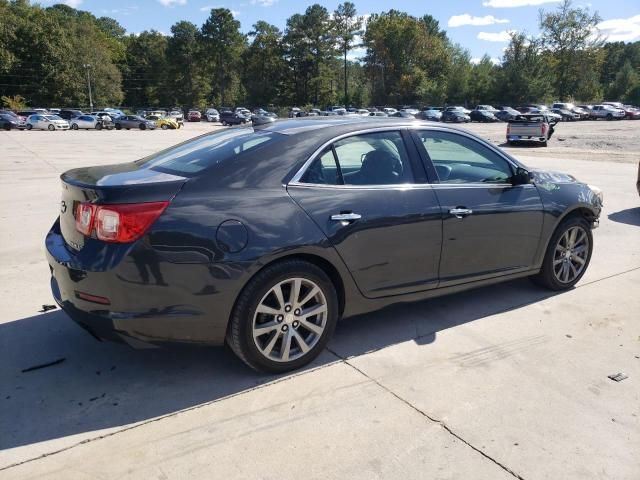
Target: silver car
{"x": 87, "y": 122}
{"x": 47, "y": 122}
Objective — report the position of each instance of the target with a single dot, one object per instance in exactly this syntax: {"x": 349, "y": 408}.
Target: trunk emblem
{"x": 63, "y": 206}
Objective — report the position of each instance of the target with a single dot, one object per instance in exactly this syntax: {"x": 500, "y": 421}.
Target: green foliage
{"x": 14, "y": 103}
{"x": 48, "y": 55}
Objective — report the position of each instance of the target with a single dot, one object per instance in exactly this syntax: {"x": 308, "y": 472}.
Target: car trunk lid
{"x": 112, "y": 184}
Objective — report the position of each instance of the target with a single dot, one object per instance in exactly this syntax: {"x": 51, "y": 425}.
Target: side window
{"x": 323, "y": 170}
{"x": 460, "y": 159}
{"x": 374, "y": 159}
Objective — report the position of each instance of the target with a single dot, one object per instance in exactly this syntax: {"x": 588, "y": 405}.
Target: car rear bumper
{"x": 148, "y": 305}
{"x": 525, "y": 138}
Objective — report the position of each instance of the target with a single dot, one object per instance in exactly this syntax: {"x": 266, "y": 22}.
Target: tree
{"x": 567, "y": 37}
{"x": 348, "y": 26}
{"x": 523, "y": 76}
{"x": 406, "y": 60}
{"x": 264, "y": 65}
{"x": 145, "y": 71}
{"x": 224, "y": 45}
{"x": 185, "y": 74}
{"x": 482, "y": 88}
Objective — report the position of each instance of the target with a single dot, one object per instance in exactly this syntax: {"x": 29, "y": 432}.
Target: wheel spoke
{"x": 295, "y": 291}
{"x": 580, "y": 249}
{"x": 558, "y": 262}
{"x": 300, "y": 341}
{"x": 262, "y": 308}
{"x": 312, "y": 293}
{"x": 572, "y": 237}
{"x": 580, "y": 260}
{"x": 312, "y": 327}
{"x": 269, "y": 346}
{"x": 285, "y": 350}
{"x": 311, "y": 311}
{"x": 265, "y": 328}
{"x": 277, "y": 291}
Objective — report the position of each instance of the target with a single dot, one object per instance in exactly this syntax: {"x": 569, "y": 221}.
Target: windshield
{"x": 195, "y": 155}
{"x": 52, "y": 117}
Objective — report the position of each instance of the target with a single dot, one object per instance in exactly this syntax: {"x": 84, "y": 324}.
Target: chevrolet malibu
{"x": 262, "y": 238}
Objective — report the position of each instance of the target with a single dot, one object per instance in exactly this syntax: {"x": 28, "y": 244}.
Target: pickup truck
{"x": 530, "y": 127}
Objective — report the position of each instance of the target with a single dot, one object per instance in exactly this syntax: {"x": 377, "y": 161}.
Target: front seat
{"x": 378, "y": 168}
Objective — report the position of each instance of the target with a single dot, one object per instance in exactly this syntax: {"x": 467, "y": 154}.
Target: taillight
{"x": 544, "y": 129}
{"x": 508, "y": 128}
{"x": 84, "y": 218}
{"x": 118, "y": 223}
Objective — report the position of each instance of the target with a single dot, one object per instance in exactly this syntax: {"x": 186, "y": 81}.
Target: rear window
{"x": 200, "y": 153}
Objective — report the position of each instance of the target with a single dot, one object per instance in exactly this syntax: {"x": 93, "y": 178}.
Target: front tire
{"x": 284, "y": 317}
{"x": 143, "y": 126}
{"x": 568, "y": 255}
{"x": 118, "y": 126}
{"x": 98, "y": 126}
{"x": 74, "y": 126}
{"x": 29, "y": 126}
{"x": 51, "y": 128}
{"x": 164, "y": 127}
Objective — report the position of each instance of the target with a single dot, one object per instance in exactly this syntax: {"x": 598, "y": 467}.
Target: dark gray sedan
{"x": 133, "y": 121}
{"x": 262, "y": 238}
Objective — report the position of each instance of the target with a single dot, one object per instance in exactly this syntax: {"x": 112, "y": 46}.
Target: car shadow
{"x": 630, "y": 216}
{"x": 105, "y": 385}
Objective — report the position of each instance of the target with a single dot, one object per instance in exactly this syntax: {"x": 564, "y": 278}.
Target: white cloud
{"x": 515, "y": 3}
{"x": 208, "y": 8}
{"x": 263, "y": 3}
{"x": 172, "y": 3}
{"x": 477, "y": 60}
{"x": 69, "y": 3}
{"x": 466, "y": 19}
{"x": 503, "y": 36}
{"x": 235, "y": 13}
{"x": 621, "y": 29}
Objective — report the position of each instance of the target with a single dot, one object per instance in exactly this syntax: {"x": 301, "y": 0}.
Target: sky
{"x": 480, "y": 26}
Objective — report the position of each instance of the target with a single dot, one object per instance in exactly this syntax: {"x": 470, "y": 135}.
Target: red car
{"x": 631, "y": 113}
{"x": 194, "y": 116}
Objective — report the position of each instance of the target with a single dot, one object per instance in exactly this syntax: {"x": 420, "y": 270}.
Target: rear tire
{"x": 306, "y": 338}
{"x": 561, "y": 271}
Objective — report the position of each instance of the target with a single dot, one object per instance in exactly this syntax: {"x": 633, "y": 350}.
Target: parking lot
{"x": 507, "y": 381}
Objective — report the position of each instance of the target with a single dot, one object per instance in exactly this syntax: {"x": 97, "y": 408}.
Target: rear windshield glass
{"x": 200, "y": 153}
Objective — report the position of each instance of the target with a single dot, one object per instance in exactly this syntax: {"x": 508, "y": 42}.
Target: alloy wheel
{"x": 570, "y": 256}
{"x": 290, "y": 319}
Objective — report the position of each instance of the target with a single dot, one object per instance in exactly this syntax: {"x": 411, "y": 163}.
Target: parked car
{"x": 485, "y": 116}
{"x": 47, "y": 122}
{"x": 583, "y": 114}
{"x": 456, "y": 116}
{"x": 506, "y": 114}
{"x": 457, "y": 108}
{"x": 178, "y": 116}
{"x": 134, "y": 121}
{"x": 531, "y": 127}
{"x": 618, "y": 105}
{"x": 233, "y": 118}
{"x": 194, "y": 116}
{"x": 607, "y": 112}
{"x": 68, "y": 114}
{"x": 89, "y": 122}
{"x": 212, "y": 115}
{"x": 566, "y": 115}
{"x": 412, "y": 111}
{"x": 378, "y": 114}
{"x": 389, "y": 111}
{"x": 165, "y": 123}
{"x": 631, "y": 113}
{"x": 430, "y": 114}
{"x": 26, "y": 113}
{"x": 487, "y": 108}
{"x": 9, "y": 122}
{"x": 199, "y": 246}
{"x": 402, "y": 114}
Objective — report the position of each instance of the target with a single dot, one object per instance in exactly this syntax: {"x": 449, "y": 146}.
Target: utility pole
{"x": 88, "y": 66}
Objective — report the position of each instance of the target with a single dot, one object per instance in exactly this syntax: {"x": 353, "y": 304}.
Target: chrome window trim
{"x": 295, "y": 180}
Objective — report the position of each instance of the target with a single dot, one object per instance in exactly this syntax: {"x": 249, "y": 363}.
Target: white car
{"x": 389, "y": 111}
{"x": 212, "y": 115}
{"x": 607, "y": 111}
{"x": 86, "y": 122}
{"x": 47, "y": 122}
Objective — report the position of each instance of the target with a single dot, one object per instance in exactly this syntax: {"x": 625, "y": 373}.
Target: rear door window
{"x": 200, "y": 153}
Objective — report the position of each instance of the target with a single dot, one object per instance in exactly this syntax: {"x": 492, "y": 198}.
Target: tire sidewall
{"x": 242, "y": 317}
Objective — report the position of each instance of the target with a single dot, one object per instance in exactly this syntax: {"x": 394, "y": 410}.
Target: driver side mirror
{"x": 521, "y": 177}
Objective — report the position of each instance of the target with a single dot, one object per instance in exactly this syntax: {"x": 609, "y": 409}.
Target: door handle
{"x": 346, "y": 217}
{"x": 460, "y": 212}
